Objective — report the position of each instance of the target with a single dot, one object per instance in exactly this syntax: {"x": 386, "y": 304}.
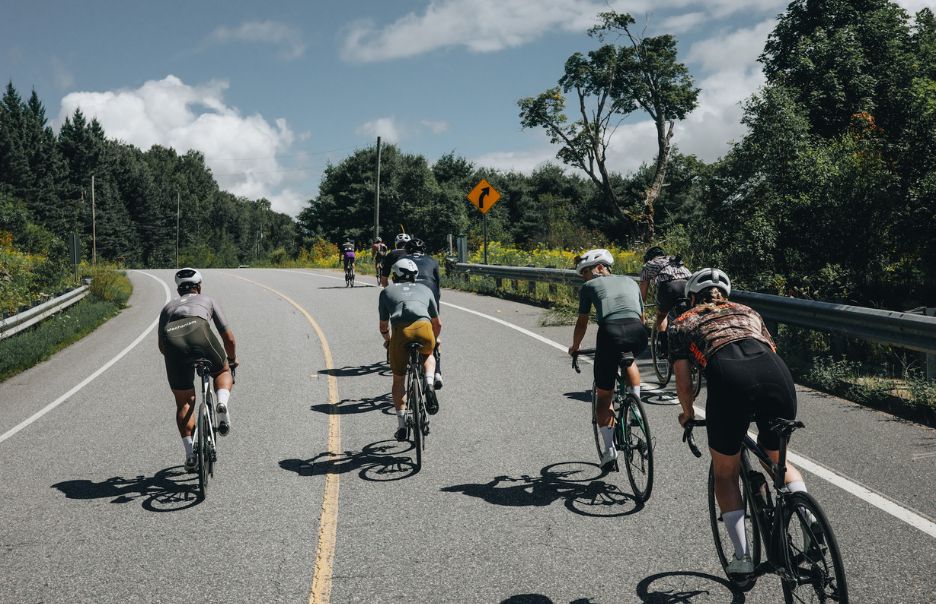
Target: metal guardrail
{"x": 28, "y": 318}
{"x": 904, "y": 330}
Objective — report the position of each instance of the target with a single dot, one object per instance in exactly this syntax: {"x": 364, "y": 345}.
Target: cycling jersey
{"x": 406, "y": 302}
{"x": 186, "y": 335}
{"x": 701, "y": 331}
{"x": 378, "y": 250}
{"x": 428, "y": 273}
{"x": 662, "y": 269}
{"x": 347, "y": 250}
{"x": 192, "y": 305}
{"x": 389, "y": 260}
{"x": 614, "y": 297}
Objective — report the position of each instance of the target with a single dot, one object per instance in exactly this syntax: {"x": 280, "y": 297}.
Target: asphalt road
{"x": 509, "y": 506}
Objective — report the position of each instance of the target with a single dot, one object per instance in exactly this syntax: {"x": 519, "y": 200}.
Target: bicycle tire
{"x": 818, "y": 567}
{"x": 213, "y": 433}
{"x": 634, "y": 428}
{"x": 723, "y": 545}
{"x": 414, "y": 401}
{"x": 599, "y": 445}
{"x": 695, "y": 374}
{"x": 661, "y": 365}
{"x": 202, "y": 454}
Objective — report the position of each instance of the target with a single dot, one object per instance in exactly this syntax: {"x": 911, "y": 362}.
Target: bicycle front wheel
{"x": 723, "y": 544}
{"x": 695, "y": 374}
{"x": 633, "y": 434}
{"x": 202, "y": 451}
{"x": 814, "y": 560}
{"x": 661, "y": 365}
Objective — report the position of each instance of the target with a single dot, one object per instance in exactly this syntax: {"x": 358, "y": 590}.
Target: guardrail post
{"x": 498, "y": 282}
{"x": 531, "y": 287}
{"x": 930, "y": 357}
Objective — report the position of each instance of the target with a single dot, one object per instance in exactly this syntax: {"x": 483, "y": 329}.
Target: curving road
{"x": 312, "y": 498}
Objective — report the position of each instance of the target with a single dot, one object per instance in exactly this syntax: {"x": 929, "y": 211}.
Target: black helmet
{"x": 653, "y": 252}
{"x": 415, "y": 246}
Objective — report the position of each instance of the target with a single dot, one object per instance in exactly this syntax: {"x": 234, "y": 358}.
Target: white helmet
{"x": 187, "y": 277}
{"x": 401, "y": 240}
{"x": 405, "y": 269}
{"x": 593, "y": 258}
{"x": 706, "y": 278}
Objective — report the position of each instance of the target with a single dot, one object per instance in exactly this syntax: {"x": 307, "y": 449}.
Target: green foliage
{"x": 110, "y": 285}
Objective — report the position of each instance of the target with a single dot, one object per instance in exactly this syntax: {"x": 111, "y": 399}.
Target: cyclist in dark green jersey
{"x": 619, "y": 311}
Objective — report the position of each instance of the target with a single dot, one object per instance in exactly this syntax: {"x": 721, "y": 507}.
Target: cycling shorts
{"x": 668, "y": 294}
{"x": 404, "y": 333}
{"x": 746, "y": 382}
{"x": 614, "y": 338}
{"x": 185, "y": 341}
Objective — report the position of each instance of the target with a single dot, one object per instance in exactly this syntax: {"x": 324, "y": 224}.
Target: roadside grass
{"x": 110, "y": 291}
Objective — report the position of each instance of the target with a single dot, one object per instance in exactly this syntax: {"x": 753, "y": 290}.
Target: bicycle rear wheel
{"x": 633, "y": 436}
{"x": 814, "y": 558}
{"x": 202, "y": 453}
{"x": 723, "y": 545}
{"x": 416, "y": 411}
{"x": 661, "y": 365}
{"x": 599, "y": 445}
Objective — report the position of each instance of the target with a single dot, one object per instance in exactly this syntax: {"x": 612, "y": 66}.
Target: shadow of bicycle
{"x": 381, "y": 461}
{"x": 351, "y": 371}
{"x": 578, "y": 485}
{"x": 169, "y": 490}
{"x": 382, "y": 403}
{"x": 680, "y": 587}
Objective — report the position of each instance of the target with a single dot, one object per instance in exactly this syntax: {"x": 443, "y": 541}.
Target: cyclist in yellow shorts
{"x": 409, "y": 308}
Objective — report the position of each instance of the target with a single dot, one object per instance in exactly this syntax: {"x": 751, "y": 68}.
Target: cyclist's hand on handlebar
{"x": 684, "y": 418}
{"x": 573, "y": 350}
{"x": 232, "y": 363}
{"x": 386, "y": 344}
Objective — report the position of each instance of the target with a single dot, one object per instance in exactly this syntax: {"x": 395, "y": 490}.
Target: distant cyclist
{"x": 618, "y": 310}
{"x": 399, "y": 251}
{"x": 428, "y": 276}
{"x": 410, "y": 310}
{"x": 346, "y": 252}
{"x": 669, "y": 275}
{"x": 378, "y": 251}
{"x": 746, "y": 381}
{"x": 185, "y": 335}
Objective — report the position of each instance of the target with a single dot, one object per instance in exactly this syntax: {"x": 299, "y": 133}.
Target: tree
{"x": 609, "y": 84}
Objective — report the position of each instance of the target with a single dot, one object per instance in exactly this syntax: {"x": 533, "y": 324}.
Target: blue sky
{"x": 271, "y": 92}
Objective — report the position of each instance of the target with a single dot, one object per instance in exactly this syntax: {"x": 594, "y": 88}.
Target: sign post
{"x": 483, "y": 197}
{"x": 75, "y": 253}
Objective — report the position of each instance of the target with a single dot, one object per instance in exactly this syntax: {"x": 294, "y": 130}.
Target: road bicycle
{"x": 631, "y": 429}
{"x": 417, "y": 419}
{"x": 798, "y": 543}
{"x": 349, "y": 274}
{"x": 662, "y": 366}
{"x": 205, "y": 436}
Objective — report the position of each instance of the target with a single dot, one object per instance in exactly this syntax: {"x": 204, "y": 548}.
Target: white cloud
{"x": 240, "y": 150}
{"x": 384, "y": 127}
{"x": 524, "y": 162}
{"x": 492, "y": 25}
{"x": 436, "y": 126}
{"x": 736, "y": 49}
{"x": 63, "y": 77}
{"x": 683, "y": 23}
{"x": 915, "y": 6}
{"x": 287, "y": 38}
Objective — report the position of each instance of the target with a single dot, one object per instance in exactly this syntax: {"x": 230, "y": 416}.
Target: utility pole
{"x": 93, "y": 227}
{"x": 178, "y": 210}
{"x": 377, "y": 195}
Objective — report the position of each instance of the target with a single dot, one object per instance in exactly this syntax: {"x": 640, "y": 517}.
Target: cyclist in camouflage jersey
{"x": 669, "y": 276}
{"x": 746, "y": 381}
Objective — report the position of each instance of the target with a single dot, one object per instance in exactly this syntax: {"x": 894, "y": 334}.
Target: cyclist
{"x": 346, "y": 252}
{"x": 409, "y": 308}
{"x": 618, "y": 309}
{"x": 428, "y": 276}
{"x": 669, "y": 275}
{"x": 746, "y": 380}
{"x": 399, "y": 251}
{"x": 185, "y": 335}
{"x": 378, "y": 251}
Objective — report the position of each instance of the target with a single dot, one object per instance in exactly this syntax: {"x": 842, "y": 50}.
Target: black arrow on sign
{"x": 484, "y": 193}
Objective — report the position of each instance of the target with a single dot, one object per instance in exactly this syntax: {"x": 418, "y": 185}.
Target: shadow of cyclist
{"x": 381, "y": 403}
{"x": 688, "y": 586}
{"x": 351, "y": 371}
{"x": 381, "y": 461}
{"x": 576, "y": 484}
{"x": 169, "y": 490}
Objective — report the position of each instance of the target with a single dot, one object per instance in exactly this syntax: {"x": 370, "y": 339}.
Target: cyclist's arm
{"x": 384, "y": 328}
{"x": 230, "y": 347}
{"x": 644, "y": 286}
{"x": 581, "y": 326}
{"x": 436, "y": 326}
{"x": 684, "y": 389}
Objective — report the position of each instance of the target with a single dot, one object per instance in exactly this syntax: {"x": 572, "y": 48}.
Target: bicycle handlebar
{"x": 575, "y": 356}
{"x": 687, "y": 435}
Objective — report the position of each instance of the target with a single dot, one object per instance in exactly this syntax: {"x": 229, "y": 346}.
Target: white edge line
{"x": 874, "y": 498}
{"x": 91, "y": 377}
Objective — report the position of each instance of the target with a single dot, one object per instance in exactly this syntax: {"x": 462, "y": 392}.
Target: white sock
{"x": 635, "y": 390}
{"x": 401, "y": 418}
{"x": 734, "y": 524}
{"x": 223, "y": 395}
{"x": 187, "y": 443}
{"x": 797, "y": 486}
{"x": 430, "y": 379}
{"x": 607, "y": 434}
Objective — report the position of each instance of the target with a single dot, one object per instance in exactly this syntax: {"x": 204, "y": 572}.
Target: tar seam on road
{"x": 320, "y": 591}
{"x": 866, "y": 494}
{"x": 91, "y": 377}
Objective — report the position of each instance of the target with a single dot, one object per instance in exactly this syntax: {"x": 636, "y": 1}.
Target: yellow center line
{"x": 320, "y": 592}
